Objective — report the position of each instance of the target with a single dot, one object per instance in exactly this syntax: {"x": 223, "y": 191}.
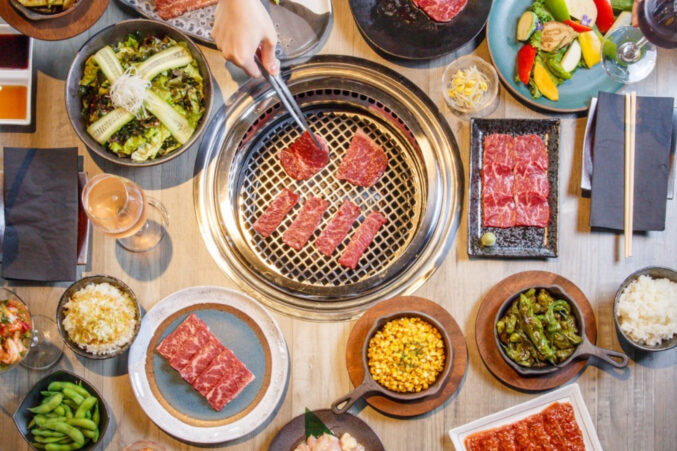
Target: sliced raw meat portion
{"x": 201, "y": 360}
{"x": 218, "y": 368}
{"x": 531, "y": 209}
{"x": 361, "y": 239}
{"x": 441, "y": 10}
{"x": 305, "y": 223}
{"x": 530, "y": 149}
{"x": 303, "y": 159}
{"x": 364, "y": 162}
{"x": 172, "y": 342}
{"x": 498, "y": 148}
{"x": 338, "y": 228}
{"x": 275, "y": 212}
{"x": 531, "y": 179}
{"x": 189, "y": 347}
{"x": 168, "y": 9}
{"x": 497, "y": 180}
{"x": 498, "y": 211}
{"x": 230, "y": 385}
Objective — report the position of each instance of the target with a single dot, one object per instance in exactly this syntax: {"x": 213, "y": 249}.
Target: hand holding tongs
{"x": 287, "y": 99}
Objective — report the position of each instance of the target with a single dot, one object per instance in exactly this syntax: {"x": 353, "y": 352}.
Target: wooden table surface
{"x": 632, "y": 409}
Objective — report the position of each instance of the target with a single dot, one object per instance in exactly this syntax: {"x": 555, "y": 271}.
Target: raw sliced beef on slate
{"x": 531, "y": 209}
{"x": 201, "y": 360}
{"x": 338, "y": 228}
{"x": 303, "y": 159}
{"x": 305, "y": 223}
{"x": 497, "y": 180}
{"x": 229, "y": 386}
{"x": 172, "y": 342}
{"x": 498, "y": 211}
{"x": 364, "y": 162}
{"x": 361, "y": 239}
{"x": 168, "y": 9}
{"x": 530, "y": 150}
{"x": 275, "y": 212}
{"x": 189, "y": 347}
{"x": 441, "y": 10}
{"x": 498, "y": 148}
{"x": 530, "y": 179}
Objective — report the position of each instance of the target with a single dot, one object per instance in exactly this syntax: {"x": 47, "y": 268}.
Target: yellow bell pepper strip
{"x": 558, "y": 9}
{"x": 544, "y": 82}
{"x": 605, "y": 15}
{"x": 591, "y": 47}
{"x": 525, "y": 62}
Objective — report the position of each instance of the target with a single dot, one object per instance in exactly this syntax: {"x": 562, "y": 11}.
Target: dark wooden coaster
{"x": 485, "y": 322}
{"x": 64, "y": 27}
{"x": 458, "y": 350}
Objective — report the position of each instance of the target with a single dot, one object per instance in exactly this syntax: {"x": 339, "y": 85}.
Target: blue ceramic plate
{"x": 574, "y": 94}
{"x": 241, "y": 325}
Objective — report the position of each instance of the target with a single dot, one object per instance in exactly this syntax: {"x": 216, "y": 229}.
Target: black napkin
{"x": 41, "y": 214}
{"x": 653, "y": 135}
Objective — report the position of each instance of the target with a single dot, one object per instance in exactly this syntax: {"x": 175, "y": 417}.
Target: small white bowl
{"x": 19, "y": 77}
{"x": 488, "y": 101}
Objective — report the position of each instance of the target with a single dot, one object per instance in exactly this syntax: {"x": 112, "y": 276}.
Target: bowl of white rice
{"x": 98, "y": 317}
{"x": 645, "y": 309}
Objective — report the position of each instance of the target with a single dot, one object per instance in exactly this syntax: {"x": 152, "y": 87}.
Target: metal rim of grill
{"x": 420, "y": 193}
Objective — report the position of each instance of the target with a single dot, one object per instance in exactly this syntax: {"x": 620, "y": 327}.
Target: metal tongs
{"x": 287, "y": 99}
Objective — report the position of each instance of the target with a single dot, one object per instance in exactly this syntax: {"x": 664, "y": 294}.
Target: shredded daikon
{"x": 468, "y": 87}
{"x": 129, "y": 91}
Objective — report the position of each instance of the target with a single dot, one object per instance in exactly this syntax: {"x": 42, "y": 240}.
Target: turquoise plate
{"x": 240, "y": 324}
{"x": 574, "y": 94}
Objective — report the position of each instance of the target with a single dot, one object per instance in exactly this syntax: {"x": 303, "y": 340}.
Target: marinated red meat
{"x": 168, "y": 9}
{"x": 530, "y": 150}
{"x": 230, "y": 385}
{"x": 497, "y": 180}
{"x": 498, "y": 211}
{"x": 201, "y": 360}
{"x": 361, "y": 239}
{"x": 275, "y": 212}
{"x": 189, "y": 347}
{"x": 303, "y": 159}
{"x": 305, "y": 223}
{"x": 441, "y": 10}
{"x": 498, "y": 148}
{"x": 364, "y": 162}
{"x": 172, "y": 342}
{"x": 338, "y": 228}
{"x": 531, "y": 209}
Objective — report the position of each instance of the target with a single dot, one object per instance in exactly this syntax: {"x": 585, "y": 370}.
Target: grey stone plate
{"x": 513, "y": 242}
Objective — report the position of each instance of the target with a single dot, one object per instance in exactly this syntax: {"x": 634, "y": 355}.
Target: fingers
{"x": 268, "y": 58}
{"x": 250, "y": 67}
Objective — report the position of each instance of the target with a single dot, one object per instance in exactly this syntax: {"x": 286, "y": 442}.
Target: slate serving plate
{"x": 402, "y": 30}
{"x": 513, "y": 241}
{"x": 22, "y": 416}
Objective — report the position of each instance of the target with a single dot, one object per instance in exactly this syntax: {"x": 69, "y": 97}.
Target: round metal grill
{"x": 419, "y": 194}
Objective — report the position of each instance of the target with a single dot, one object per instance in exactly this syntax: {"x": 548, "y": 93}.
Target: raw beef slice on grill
{"x": 230, "y": 385}
{"x": 303, "y": 159}
{"x": 305, "y": 223}
{"x": 172, "y": 342}
{"x": 498, "y": 148}
{"x": 201, "y": 360}
{"x": 441, "y": 10}
{"x": 338, "y": 228}
{"x": 532, "y": 209}
{"x": 364, "y": 162}
{"x": 169, "y": 9}
{"x": 530, "y": 150}
{"x": 361, "y": 239}
{"x": 498, "y": 211}
{"x": 275, "y": 212}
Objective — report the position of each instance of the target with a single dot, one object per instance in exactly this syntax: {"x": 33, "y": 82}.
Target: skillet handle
{"x": 613, "y": 358}
{"x": 344, "y": 403}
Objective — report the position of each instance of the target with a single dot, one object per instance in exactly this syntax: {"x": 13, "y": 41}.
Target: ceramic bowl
{"x": 488, "y": 100}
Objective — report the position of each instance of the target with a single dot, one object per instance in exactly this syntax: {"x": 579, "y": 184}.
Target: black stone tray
{"x": 513, "y": 242}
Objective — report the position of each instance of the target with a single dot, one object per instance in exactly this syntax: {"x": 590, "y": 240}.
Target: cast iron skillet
{"x": 399, "y": 28}
{"x": 32, "y": 14}
{"x": 369, "y": 386}
{"x": 584, "y": 349}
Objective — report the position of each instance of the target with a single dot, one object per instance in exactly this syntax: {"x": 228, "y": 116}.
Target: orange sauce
{"x": 13, "y": 102}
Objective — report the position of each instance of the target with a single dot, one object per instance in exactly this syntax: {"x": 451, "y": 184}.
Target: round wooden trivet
{"x": 458, "y": 350}
{"x": 484, "y": 329}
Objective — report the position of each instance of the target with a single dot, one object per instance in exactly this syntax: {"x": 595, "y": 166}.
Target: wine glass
{"x": 31, "y": 340}
{"x": 628, "y": 53}
{"x": 120, "y": 208}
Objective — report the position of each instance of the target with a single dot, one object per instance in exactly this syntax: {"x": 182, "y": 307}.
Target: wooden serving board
{"x": 80, "y": 19}
{"x": 486, "y": 319}
{"x": 459, "y": 354}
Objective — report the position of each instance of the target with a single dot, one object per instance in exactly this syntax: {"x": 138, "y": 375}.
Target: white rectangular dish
{"x": 19, "y": 77}
{"x": 570, "y": 393}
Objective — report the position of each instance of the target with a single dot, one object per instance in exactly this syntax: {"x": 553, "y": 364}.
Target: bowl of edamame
{"x": 62, "y": 412}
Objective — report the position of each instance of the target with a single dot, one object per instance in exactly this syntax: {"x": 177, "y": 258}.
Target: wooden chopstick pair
{"x": 630, "y": 123}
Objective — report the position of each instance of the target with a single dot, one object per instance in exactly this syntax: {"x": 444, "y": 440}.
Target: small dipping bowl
{"x": 82, "y": 283}
{"x": 32, "y": 14}
{"x": 655, "y": 272}
{"x": 584, "y": 349}
{"x": 489, "y": 100}
{"x": 369, "y": 386}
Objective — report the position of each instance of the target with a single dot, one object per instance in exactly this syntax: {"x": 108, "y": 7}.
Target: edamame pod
{"x": 73, "y": 395}
{"x": 67, "y": 429}
{"x": 69, "y": 411}
{"x": 51, "y": 404}
{"x": 82, "y": 423}
{"x": 59, "y": 386}
{"x": 96, "y": 416}
{"x": 86, "y": 405}
{"x": 59, "y": 447}
{"x": 47, "y": 433}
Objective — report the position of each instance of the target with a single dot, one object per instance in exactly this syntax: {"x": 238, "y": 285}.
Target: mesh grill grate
{"x": 397, "y": 195}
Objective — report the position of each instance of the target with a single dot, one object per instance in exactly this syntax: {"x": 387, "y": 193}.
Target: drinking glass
{"x": 122, "y": 210}
{"x": 44, "y": 346}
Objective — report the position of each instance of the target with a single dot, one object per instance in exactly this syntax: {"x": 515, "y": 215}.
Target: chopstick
{"x": 630, "y": 122}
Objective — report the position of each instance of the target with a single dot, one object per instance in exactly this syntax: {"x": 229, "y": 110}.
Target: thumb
{"x": 268, "y": 58}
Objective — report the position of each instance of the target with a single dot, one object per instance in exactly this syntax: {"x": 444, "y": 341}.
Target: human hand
{"x": 241, "y": 27}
